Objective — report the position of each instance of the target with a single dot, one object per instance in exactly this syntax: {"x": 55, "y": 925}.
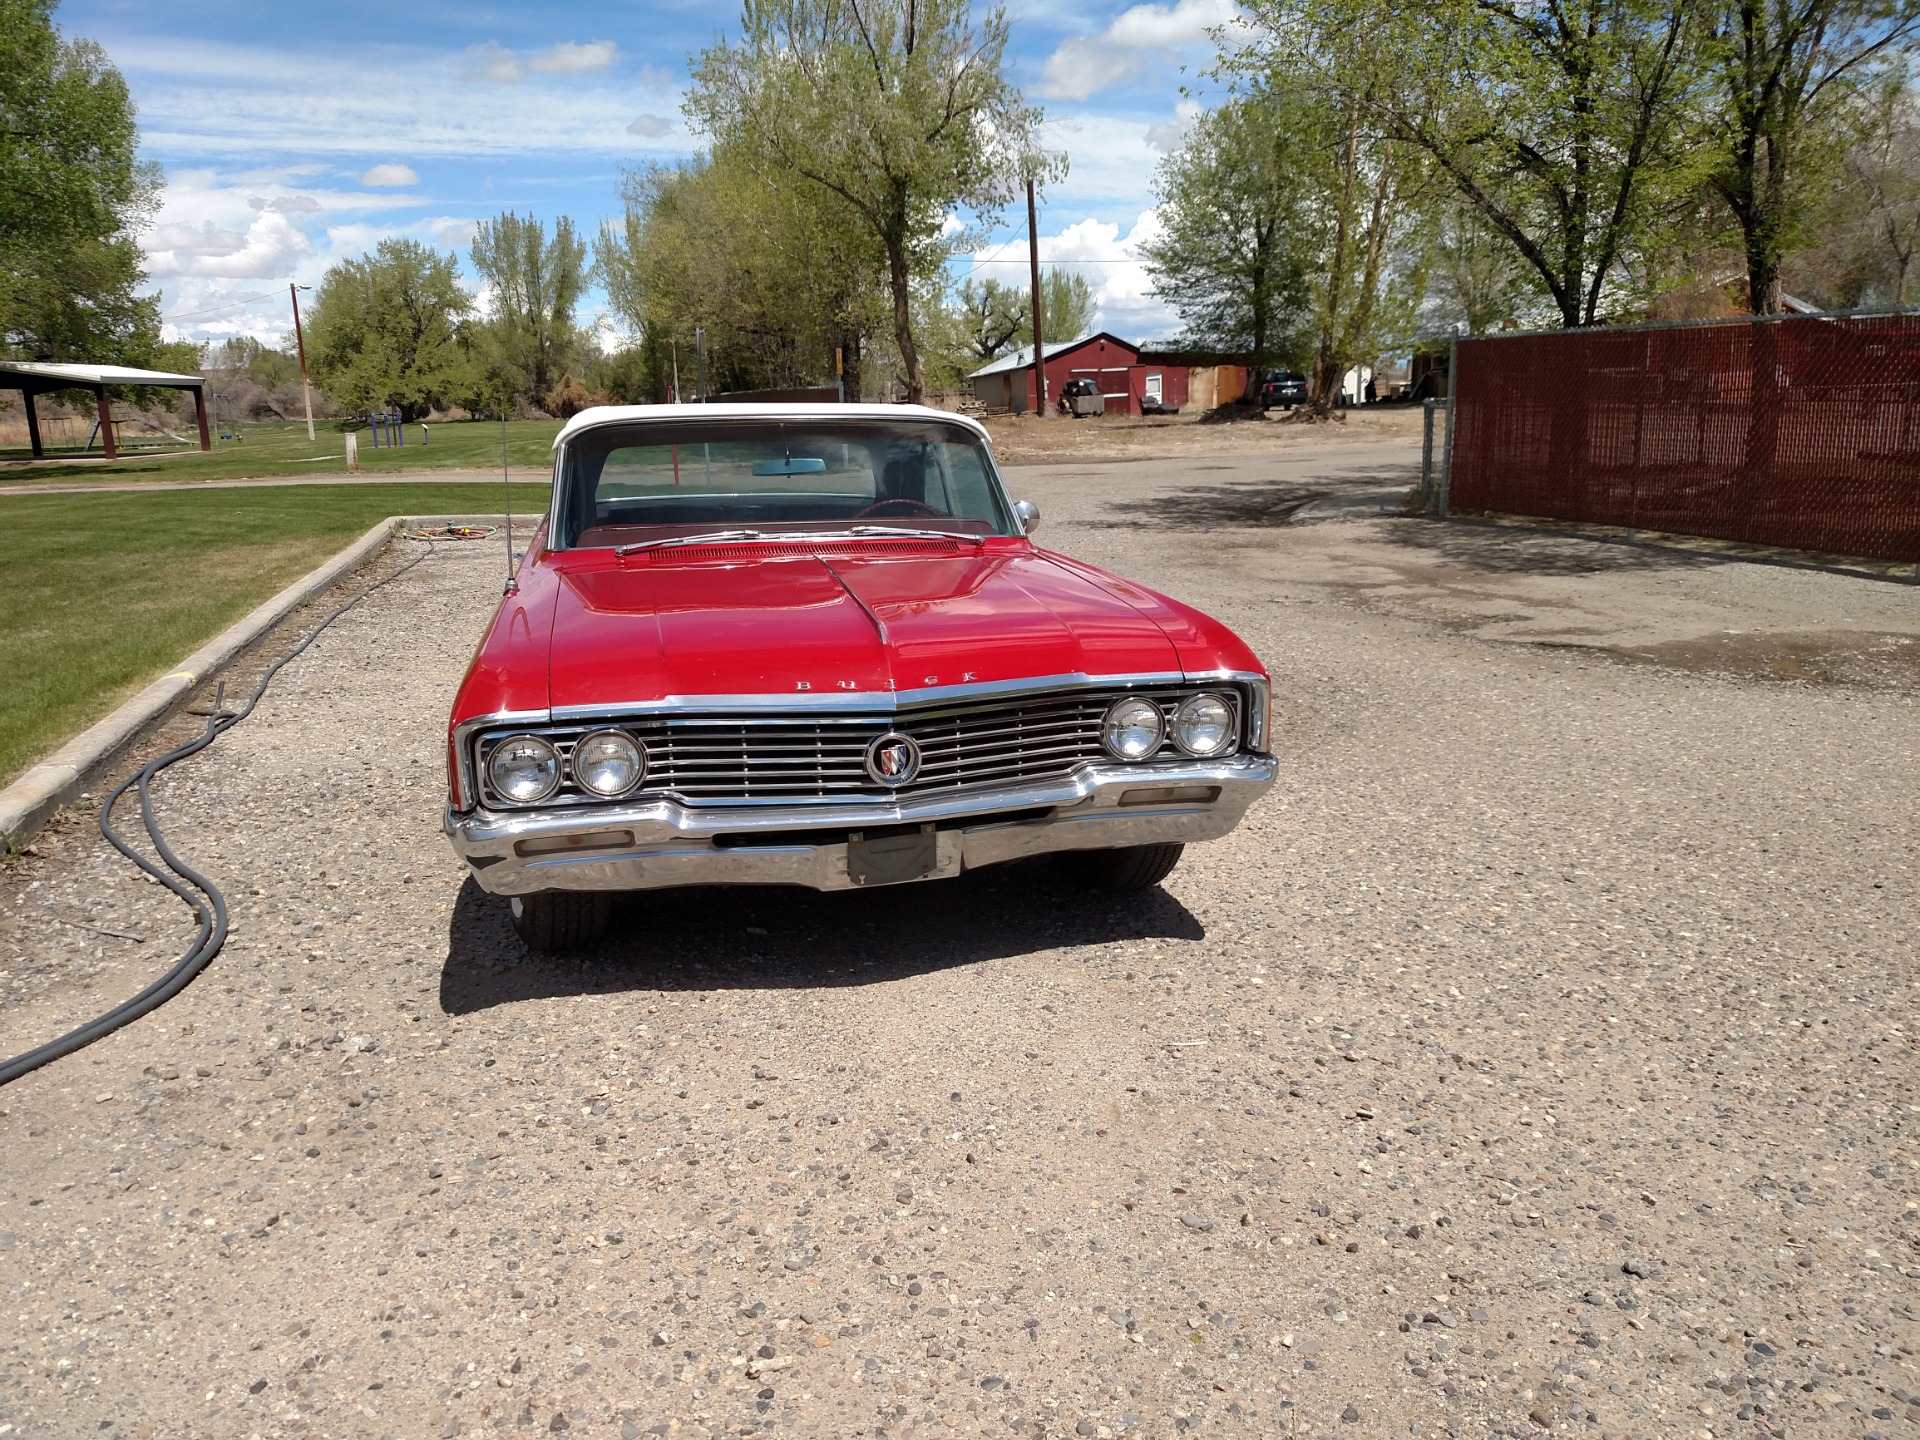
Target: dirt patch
{"x": 1026, "y": 440}
{"x": 1864, "y": 659}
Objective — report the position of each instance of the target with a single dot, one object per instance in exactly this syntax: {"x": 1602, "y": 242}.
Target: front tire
{"x": 554, "y": 922}
{"x": 1126, "y": 871}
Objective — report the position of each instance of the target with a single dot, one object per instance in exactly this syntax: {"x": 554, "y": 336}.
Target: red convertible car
{"x": 814, "y": 645}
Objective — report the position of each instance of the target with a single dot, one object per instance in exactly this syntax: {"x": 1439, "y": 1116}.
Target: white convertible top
{"x": 616, "y": 414}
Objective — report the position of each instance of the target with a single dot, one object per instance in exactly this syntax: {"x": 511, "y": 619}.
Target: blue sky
{"x": 296, "y": 134}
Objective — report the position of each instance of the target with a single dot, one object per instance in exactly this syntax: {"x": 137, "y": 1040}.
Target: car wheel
{"x": 552, "y": 922}
{"x": 1125, "y": 871}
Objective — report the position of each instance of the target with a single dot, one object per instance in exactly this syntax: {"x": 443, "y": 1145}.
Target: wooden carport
{"x": 33, "y": 377}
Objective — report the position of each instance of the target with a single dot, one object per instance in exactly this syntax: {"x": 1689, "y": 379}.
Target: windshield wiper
{"x": 855, "y": 532}
{"x": 712, "y": 537}
{"x": 890, "y": 531}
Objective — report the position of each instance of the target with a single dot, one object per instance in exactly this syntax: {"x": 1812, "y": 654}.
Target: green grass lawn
{"x": 111, "y": 591}
{"x": 282, "y": 449}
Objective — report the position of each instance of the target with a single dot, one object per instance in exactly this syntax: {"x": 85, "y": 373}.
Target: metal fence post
{"x": 1446, "y": 455}
{"x": 1426, "y": 455}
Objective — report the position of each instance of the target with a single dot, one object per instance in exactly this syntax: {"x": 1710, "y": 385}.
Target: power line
{"x": 1124, "y": 261}
{"x": 230, "y": 305}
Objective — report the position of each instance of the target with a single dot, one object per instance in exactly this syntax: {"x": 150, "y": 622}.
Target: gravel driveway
{"x": 1538, "y": 1058}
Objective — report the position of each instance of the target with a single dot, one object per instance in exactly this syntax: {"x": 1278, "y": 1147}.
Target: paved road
{"x": 1540, "y": 1058}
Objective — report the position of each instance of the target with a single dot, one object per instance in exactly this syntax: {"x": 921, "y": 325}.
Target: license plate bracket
{"x": 892, "y": 859}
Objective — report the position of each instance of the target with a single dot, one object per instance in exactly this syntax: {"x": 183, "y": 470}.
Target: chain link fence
{"x": 1801, "y": 432}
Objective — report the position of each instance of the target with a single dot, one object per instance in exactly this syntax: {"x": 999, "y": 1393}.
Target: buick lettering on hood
{"x": 815, "y": 645}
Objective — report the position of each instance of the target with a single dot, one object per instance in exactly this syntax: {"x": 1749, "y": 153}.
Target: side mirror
{"x": 1028, "y": 514}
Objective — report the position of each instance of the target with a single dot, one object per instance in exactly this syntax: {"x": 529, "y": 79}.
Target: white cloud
{"x": 390, "y": 173}
{"x": 574, "y": 58}
{"x": 494, "y": 64}
{"x": 651, "y": 127}
{"x": 1082, "y": 66}
{"x": 1170, "y": 135}
{"x": 1113, "y": 163}
{"x": 266, "y": 250}
{"x": 222, "y": 100}
{"x": 276, "y": 174}
{"x": 224, "y": 246}
{"x": 1111, "y": 265}
{"x": 1086, "y": 64}
{"x": 1168, "y": 27}
{"x": 491, "y": 64}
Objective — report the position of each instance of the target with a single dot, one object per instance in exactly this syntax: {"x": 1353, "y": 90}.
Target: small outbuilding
{"x": 34, "y": 377}
{"x": 1131, "y": 380}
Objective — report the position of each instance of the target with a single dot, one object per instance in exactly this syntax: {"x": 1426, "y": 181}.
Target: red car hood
{"x": 805, "y": 623}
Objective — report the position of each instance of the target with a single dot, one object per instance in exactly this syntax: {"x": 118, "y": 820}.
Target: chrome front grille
{"x": 1037, "y": 740}
{"x": 738, "y": 758}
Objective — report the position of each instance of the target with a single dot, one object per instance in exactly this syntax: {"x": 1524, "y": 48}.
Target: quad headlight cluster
{"x": 1201, "y": 726}
{"x": 526, "y": 769}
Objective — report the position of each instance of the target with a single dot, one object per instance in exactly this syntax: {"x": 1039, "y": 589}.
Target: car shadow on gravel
{"x": 774, "y": 938}
{"x": 1207, "y": 507}
{"x": 1516, "y": 550}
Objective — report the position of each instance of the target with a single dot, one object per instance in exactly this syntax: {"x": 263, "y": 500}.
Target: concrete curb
{"x": 29, "y": 802}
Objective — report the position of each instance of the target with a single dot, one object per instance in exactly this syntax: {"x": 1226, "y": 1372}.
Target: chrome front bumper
{"x": 655, "y": 844}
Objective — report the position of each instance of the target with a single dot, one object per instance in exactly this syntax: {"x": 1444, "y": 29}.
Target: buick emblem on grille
{"x": 894, "y": 759}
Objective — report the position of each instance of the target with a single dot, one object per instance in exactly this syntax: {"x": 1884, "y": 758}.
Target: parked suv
{"x": 1286, "y": 388}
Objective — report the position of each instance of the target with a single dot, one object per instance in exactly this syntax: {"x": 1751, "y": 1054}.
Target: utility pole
{"x": 306, "y": 391}
{"x": 1039, "y": 347}
{"x": 700, "y": 359}
{"x": 674, "y": 346}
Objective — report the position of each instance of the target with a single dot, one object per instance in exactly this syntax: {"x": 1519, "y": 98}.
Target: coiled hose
{"x": 208, "y": 904}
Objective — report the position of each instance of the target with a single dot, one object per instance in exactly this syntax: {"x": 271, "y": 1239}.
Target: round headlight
{"x": 1203, "y": 725}
{"x": 1133, "y": 729}
{"x": 608, "y": 762}
{"x": 524, "y": 769}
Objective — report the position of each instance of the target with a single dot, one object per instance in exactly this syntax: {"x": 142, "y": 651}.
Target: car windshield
{"x": 660, "y": 480}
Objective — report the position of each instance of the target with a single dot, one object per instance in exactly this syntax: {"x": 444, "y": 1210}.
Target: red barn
{"x": 1113, "y": 364}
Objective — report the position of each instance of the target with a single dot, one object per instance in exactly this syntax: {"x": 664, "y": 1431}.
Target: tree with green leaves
{"x": 1882, "y": 191}
{"x": 899, "y": 108}
{"x": 1476, "y": 282}
{"x": 261, "y": 363}
{"x": 534, "y": 283}
{"x": 1568, "y": 124}
{"x": 1227, "y": 256}
{"x": 73, "y": 198}
{"x": 249, "y": 379}
{"x": 1362, "y": 233}
{"x": 1786, "y": 71}
{"x": 1066, "y": 307}
{"x": 799, "y": 277}
{"x": 989, "y": 319}
{"x": 386, "y": 332}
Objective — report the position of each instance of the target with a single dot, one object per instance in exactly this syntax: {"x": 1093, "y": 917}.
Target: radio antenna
{"x": 506, "y": 487}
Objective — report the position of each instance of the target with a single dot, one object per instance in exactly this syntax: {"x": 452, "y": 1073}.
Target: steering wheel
{"x": 898, "y": 506}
